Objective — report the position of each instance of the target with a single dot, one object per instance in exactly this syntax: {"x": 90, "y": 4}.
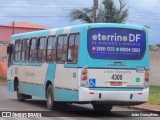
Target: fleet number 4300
{"x": 116, "y": 77}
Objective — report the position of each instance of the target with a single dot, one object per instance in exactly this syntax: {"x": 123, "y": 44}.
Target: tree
{"x": 108, "y": 13}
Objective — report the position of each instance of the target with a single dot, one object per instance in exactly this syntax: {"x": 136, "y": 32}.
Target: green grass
{"x": 3, "y": 79}
{"x": 154, "y": 95}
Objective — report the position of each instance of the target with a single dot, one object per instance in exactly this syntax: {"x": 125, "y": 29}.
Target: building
{"x": 6, "y": 30}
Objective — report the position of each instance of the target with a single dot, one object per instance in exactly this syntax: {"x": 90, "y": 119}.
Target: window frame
{"x": 18, "y": 50}
{"x": 25, "y": 39}
{"x": 60, "y": 62}
{"x": 52, "y": 61}
{"x": 38, "y": 43}
{"x": 76, "y": 33}
{"x": 32, "y": 50}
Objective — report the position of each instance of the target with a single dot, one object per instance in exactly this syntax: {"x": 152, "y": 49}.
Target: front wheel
{"x": 102, "y": 107}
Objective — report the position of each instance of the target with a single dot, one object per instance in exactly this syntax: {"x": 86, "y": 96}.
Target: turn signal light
{"x": 147, "y": 73}
{"x": 84, "y": 72}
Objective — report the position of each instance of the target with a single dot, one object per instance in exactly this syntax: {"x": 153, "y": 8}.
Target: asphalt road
{"x": 8, "y": 102}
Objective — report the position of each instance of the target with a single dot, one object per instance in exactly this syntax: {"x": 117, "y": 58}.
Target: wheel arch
{"x": 16, "y": 82}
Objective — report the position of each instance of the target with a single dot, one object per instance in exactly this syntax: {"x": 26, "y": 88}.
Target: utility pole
{"x": 95, "y": 9}
{"x": 13, "y": 28}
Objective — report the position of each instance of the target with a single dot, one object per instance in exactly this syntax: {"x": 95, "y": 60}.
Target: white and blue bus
{"x": 101, "y": 64}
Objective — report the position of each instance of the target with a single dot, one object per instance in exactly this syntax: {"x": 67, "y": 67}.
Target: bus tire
{"x": 50, "y": 97}
{"x": 51, "y": 104}
{"x": 20, "y": 97}
{"x": 102, "y": 107}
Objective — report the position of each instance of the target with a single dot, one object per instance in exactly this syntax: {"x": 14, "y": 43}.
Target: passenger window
{"x": 62, "y": 48}
{"x": 17, "y": 52}
{"x": 41, "y": 49}
{"x": 70, "y": 48}
{"x": 33, "y": 50}
{"x": 76, "y": 48}
{"x": 73, "y": 48}
{"x": 51, "y": 49}
{"x": 25, "y": 50}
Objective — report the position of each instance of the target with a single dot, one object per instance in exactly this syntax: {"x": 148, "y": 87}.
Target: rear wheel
{"x": 50, "y": 97}
{"x": 51, "y": 104}
{"x": 102, "y": 107}
{"x": 20, "y": 97}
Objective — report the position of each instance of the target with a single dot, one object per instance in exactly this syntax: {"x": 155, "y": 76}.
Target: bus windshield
{"x": 116, "y": 43}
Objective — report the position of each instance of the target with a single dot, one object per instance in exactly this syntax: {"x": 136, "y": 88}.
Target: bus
{"x": 102, "y": 64}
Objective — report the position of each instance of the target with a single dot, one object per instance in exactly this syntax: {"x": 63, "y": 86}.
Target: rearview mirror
{"x": 10, "y": 49}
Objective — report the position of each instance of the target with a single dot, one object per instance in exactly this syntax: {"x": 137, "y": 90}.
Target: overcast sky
{"x": 54, "y": 13}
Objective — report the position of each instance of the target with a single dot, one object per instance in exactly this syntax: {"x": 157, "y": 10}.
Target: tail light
{"x": 84, "y": 76}
{"x": 146, "y": 81}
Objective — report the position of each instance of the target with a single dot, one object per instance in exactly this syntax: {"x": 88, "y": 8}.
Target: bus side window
{"x": 76, "y": 48}
{"x": 17, "y": 52}
{"x": 41, "y": 49}
{"x": 33, "y": 50}
{"x": 62, "y": 48}
{"x": 73, "y": 48}
{"x": 51, "y": 49}
{"x": 70, "y": 48}
{"x": 25, "y": 48}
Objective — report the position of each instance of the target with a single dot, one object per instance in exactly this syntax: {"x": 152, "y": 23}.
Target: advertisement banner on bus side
{"x": 116, "y": 43}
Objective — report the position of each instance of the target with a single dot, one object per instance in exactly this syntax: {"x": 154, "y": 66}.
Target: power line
{"x": 35, "y": 16}
{"x": 145, "y": 18}
{"x": 70, "y": 16}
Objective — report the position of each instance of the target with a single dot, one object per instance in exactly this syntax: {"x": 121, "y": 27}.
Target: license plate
{"x": 115, "y": 83}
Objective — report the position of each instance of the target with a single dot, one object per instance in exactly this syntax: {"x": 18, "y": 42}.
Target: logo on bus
{"x": 92, "y": 82}
{"x": 115, "y": 37}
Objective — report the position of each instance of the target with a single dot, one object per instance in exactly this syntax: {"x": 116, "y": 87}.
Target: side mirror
{"x": 10, "y": 49}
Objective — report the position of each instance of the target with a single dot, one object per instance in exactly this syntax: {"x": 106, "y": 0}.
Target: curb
{"x": 143, "y": 109}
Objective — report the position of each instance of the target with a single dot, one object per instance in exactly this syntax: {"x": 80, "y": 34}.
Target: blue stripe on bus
{"x": 10, "y": 85}
{"x": 50, "y": 75}
{"x": 117, "y": 89}
{"x": 65, "y": 95}
{"x": 27, "y": 63}
{"x": 32, "y": 89}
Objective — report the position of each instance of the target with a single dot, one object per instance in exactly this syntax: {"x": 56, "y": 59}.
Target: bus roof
{"x": 71, "y": 29}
